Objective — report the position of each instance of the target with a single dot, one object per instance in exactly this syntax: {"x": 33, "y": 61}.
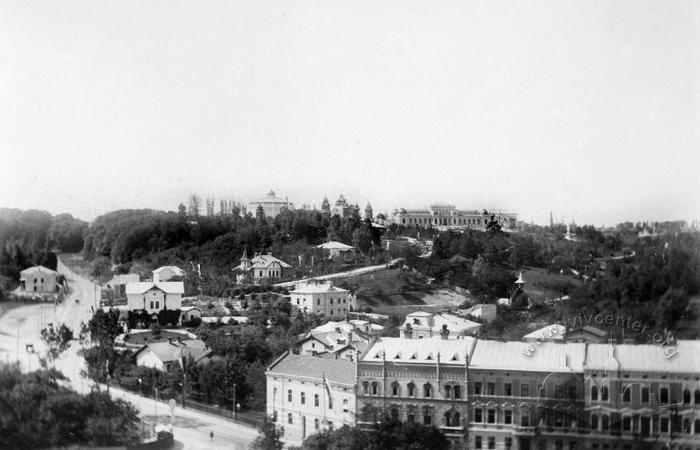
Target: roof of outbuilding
{"x": 170, "y": 351}
{"x": 334, "y": 370}
{"x": 176, "y": 270}
{"x": 333, "y": 245}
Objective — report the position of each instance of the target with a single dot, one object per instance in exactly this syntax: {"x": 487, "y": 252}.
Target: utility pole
{"x": 235, "y": 412}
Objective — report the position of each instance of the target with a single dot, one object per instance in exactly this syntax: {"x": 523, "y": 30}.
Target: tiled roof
{"x": 423, "y": 351}
{"x": 169, "y": 287}
{"x": 334, "y": 370}
{"x": 547, "y": 356}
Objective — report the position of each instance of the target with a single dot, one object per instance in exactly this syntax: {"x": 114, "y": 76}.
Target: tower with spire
{"x": 325, "y": 207}
{"x": 368, "y": 212}
{"x": 245, "y": 261}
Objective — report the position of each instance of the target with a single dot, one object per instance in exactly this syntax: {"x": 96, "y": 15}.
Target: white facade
{"x": 154, "y": 297}
{"x": 306, "y": 395}
{"x": 322, "y": 298}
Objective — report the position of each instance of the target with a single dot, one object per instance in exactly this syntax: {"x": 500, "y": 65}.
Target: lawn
{"x": 542, "y": 285}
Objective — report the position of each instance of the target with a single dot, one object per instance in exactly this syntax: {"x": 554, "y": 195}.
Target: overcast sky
{"x": 590, "y": 110}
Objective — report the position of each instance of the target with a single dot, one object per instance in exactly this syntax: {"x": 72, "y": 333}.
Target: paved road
{"x": 22, "y": 326}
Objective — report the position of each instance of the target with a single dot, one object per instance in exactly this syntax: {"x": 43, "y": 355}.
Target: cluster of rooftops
{"x": 477, "y": 354}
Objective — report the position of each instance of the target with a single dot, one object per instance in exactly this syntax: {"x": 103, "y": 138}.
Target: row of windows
{"x": 491, "y": 442}
{"x": 491, "y": 416}
{"x": 317, "y": 401}
{"x": 490, "y": 389}
{"x": 450, "y": 418}
{"x": 647, "y": 425}
{"x": 450, "y": 391}
{"x": 645, "y": 394}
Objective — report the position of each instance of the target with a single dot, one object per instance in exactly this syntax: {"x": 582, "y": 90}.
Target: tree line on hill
{"x": 31, "y": 237}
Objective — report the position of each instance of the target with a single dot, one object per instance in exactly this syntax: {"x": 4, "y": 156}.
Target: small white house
{"x": 164, "y": 356}
{"x": 187, "y": 313}
{"x": 336, "y": 249}
{"x": 155, "y": 296}
{"x": 39, "y": 280}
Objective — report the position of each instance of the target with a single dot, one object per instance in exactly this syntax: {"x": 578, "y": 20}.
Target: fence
{"x": 252, "y": 418}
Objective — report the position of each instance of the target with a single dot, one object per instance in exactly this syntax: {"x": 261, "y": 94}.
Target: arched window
{"x": 604, "y": 393}
{"x": 697, "y": 426}
{"x": 594, "y": 393}
{"x": 457, "y": 391}
{"x": 375, "y": 388}
{"x": 594, "y": 422}
{"x": 448, "y": 391}
{"x": 427, "y": 390}
{"x": 365, "y": 387}
{"x": 395, "y": 389}
{"x": 605, "y": 421}
{"x": 411, "y": 414}
{"x": 697, "y": 396}
{"x": 686, "y": 426}
{"x": 395, "y": 413}
{"x": 452, "y": 419}
{"x": 686, "y": 397}
{"x": 411, "y": 389}
{"x": 427, "y": 416}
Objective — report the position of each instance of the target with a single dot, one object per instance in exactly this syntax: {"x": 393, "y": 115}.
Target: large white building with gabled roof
{"x": 316, "y": 297}
{"x": 307, "y": 395}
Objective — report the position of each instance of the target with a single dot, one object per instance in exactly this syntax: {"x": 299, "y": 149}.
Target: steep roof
{"x": 334, "y": 370}
{"x": 420, "y": 350}
{"x": 169, "y": 287}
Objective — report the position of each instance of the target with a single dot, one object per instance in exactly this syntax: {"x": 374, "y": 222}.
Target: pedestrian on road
{"x": 211, "y": 435}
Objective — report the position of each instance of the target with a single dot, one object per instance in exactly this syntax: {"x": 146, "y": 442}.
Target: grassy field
{"x": 541, "y": 284}
{"x": 6, "y": 306}
{"x": 400, "y": 292}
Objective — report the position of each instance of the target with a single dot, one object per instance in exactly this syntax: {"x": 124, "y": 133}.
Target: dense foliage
{"x": 219, "y": 239}
{"x": 30, "y": 237}
{"x": 36, "y": 412}
{"x": 388, "y": 433}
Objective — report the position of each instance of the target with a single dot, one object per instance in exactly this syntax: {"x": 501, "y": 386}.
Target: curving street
{"x": 22, "y": 326}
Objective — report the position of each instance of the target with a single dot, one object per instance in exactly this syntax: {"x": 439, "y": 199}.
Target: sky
{"x": 588, "y": 110}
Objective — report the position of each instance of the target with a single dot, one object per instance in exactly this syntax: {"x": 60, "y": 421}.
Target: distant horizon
{"x": 590, "y": 111}
{"x": 557, "y": 218}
